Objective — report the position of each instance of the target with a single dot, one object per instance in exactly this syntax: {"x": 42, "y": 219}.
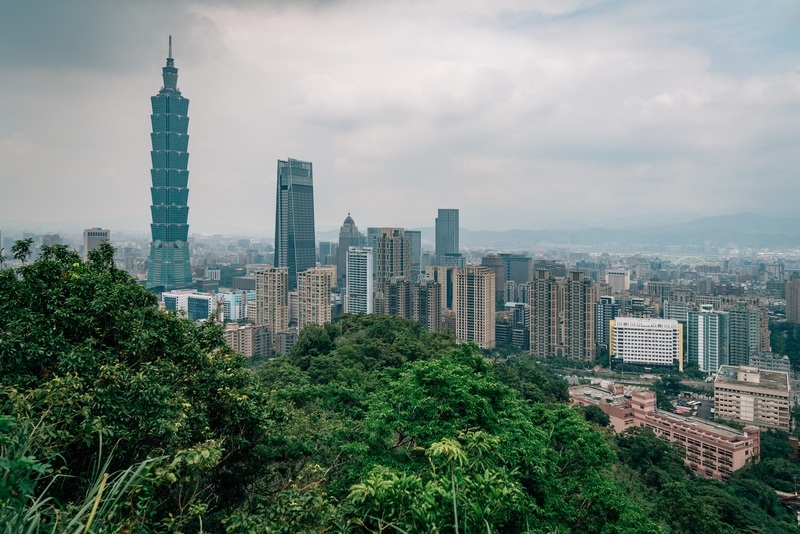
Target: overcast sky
{"x": 521, "y": 114}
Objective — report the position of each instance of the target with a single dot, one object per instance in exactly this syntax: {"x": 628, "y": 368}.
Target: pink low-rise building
{"x": 712, "y": 450}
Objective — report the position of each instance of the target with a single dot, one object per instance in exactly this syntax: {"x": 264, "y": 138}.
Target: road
{"x": 704, "y": 411}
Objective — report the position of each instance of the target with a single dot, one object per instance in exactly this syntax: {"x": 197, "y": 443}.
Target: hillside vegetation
{"x": 119, "y": 417}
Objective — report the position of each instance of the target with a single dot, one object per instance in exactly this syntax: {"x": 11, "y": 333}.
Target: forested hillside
{"x": 368, "y": 425}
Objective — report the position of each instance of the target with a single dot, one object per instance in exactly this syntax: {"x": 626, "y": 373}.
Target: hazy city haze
{"x": 521, "y": 114}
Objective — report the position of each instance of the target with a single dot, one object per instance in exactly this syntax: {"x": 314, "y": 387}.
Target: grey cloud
{"x": 517, "y": 115}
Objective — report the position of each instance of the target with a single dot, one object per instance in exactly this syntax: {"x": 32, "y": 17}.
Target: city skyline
{"x": 652, "y": 120}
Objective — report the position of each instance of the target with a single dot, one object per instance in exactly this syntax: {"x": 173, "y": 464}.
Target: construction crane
{"x": 218, "y": 300}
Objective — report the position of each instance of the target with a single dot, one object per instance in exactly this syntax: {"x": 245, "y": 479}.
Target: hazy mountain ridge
{"x": 749, "y": 230}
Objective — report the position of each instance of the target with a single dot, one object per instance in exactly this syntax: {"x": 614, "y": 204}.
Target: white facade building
{"x": 358, "y": 283}
{"x": 93, "y": 238}
{"x": 619, "y": 280}
{"x": 647, "y": 341}
{"x": 234, "y": 304}
{"x": 198, "y": 306}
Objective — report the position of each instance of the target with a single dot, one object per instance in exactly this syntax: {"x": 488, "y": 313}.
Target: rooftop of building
{"x": 703, "y": 426}
{"x": 603, "y": 391}
{"x": 744, "y": 375}
{"x": 645, "y": 322}
{"x": 769, "y": 356}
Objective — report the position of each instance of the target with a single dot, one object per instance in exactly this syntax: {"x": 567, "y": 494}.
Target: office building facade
{"x": 198, "y": 306}
{"x": 447, "y": 234}
{"x": 619, "y": 280}
{"x": 647, "y": 341}
{"x": 169, "y": 266}
{"x": 475, "y": 306}
{"x": 295, "y": 247}
{"x": 93, "y": 238}
{"x": 518, "y": 268}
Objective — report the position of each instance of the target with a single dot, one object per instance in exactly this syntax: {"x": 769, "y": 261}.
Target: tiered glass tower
{"x": 169, "y": 266}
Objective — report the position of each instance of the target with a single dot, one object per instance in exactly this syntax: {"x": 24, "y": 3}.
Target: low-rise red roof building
{"x": 712, "y": 450}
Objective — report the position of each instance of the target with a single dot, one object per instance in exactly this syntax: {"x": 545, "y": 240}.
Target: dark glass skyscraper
{"x": 294, "y": 218}
{"x": 169, "y": 266}
{"x": 446, "y": 234}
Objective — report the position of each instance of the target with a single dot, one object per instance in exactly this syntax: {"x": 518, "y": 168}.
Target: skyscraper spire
{"x": 170, "y": 73}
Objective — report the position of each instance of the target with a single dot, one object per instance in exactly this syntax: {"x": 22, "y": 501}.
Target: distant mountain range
{"x": 744, "y": 229}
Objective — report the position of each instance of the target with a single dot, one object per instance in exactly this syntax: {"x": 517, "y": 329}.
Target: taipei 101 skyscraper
{"x": 169, "y": 266}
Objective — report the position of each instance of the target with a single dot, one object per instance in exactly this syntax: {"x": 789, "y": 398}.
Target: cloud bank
{"x": 521, "y": 114}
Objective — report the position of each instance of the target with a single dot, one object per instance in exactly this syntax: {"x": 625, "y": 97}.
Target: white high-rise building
{"x": 358, "y": 289}
{"x": 647, "y": 341}
{"x": 708, "y": 338}
{"x": 198, "y": 306}
{"x": 619, "y": 280}
{"x": 93, "y": 238}
{"x": 234, "y": 304}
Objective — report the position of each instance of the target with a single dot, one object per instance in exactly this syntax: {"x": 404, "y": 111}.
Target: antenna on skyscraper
{"x": 170, "y": 47}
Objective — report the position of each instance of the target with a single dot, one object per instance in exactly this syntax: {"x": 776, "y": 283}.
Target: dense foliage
{"x": 785, "y": 340}
{"x": 120, "y": 417}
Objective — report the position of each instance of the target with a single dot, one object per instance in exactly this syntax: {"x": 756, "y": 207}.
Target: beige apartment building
{"x": 752, "y": 396}
{"x": 712, "y": 450}
{"x": 250, "y": 340}
{"x": 563, "y": 315}
{"x": 475, "y": 305}
{"x": 272, "y": 301}
{"x": 314, "y": 296}
{"x": 392, "y": 256}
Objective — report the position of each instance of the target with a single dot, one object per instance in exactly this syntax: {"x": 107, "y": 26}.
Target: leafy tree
{"x": 22, "y": 249}
{"x": 85, "y": 353}
{"x": 594, "y": 414}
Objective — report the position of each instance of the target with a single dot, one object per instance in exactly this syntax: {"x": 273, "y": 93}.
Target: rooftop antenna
{"x": 170, "y": 47}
